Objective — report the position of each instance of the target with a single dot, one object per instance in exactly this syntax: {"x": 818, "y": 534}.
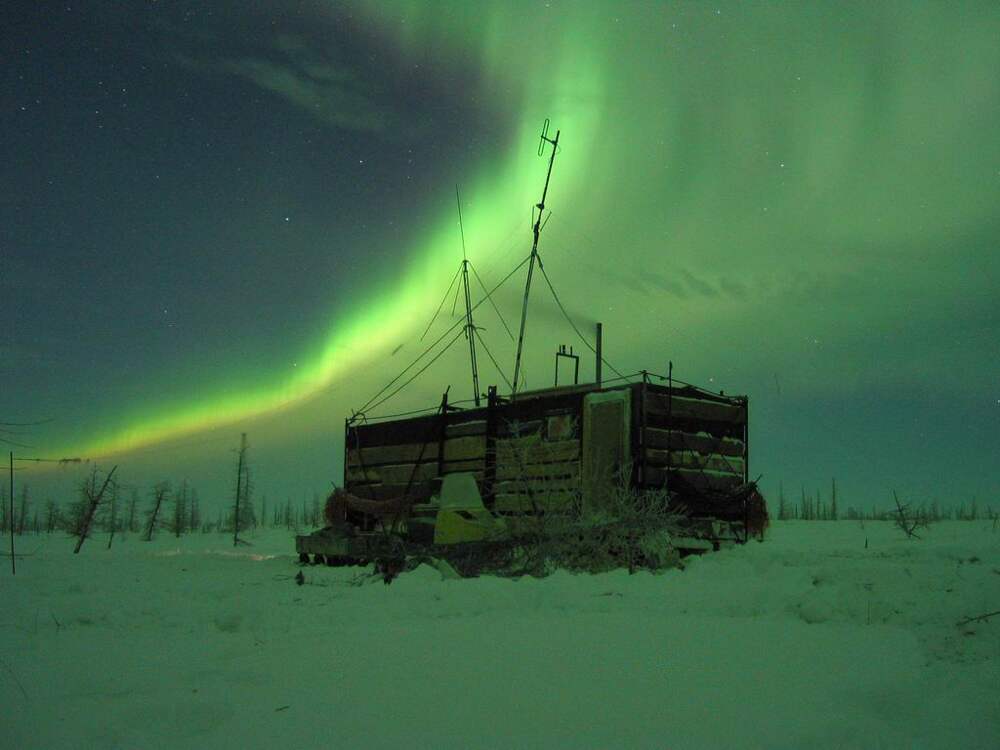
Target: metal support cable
{"x": 443, "y": 300}
{"x": 490, "y": 298}
{"x": 419, "y": 372}
{"x": 493, "y": 359}
{"x": 369, "y": 404}
{"x": 555, "y": 296}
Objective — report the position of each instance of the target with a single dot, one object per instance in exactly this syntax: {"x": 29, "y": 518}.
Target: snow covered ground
{"x": 809, "y": 640}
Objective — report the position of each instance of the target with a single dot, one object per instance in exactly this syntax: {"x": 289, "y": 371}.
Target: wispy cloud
{"x": 317, "y": 87}
{"x": 303, "y": 73}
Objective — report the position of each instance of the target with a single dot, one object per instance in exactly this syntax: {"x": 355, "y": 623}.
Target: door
{"x": 607, "y": 460}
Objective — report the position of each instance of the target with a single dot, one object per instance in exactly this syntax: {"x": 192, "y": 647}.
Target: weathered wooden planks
{"x": 475, "y": 466}
{"x": 522, "y": 502}
{"x": 694, "y": 460}
{"x": 523, "y": 451}
{"x": 684, "y": 407}
{"x": 476, "y": 427}
{"x": 711, "y": 481}
{"x": 465, "y": 448}
{"x": 471, "y": 447}
{"x": 701, "y": 442}
{"x": 392, "y": 473}
{"x": 558, "y": 469}
{"x": 392, "y": 454}
{"x": 421, "y": 492}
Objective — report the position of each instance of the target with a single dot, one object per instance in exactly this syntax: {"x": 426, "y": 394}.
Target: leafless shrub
{"x": 907, "y": 519}
{"x": 610, "y": 525}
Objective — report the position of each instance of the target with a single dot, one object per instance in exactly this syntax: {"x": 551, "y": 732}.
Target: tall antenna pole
{"x": 470, "y": 328}
{"x": 536, "y": 229}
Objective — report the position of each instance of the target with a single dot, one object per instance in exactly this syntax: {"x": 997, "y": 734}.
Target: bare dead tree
{"x": 179, "y": 521}
{"x": 53, "y": 516}
{"x": 160, "y": 492}
{"x": 93, "y": 502}
{"x": 241, "y": 505}
{"x": 23, "y": 512}
{"x": 133, "y": 501}
{"x": 194, "y": 512}
{"x": 907, "y": 521}
{"x": 113, "y": 513}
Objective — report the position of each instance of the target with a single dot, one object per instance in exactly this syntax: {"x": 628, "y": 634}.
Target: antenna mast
{"x": 470, "y": 328}
{"x": 536, "y": 229}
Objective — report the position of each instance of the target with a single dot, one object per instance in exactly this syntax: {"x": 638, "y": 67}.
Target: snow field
{"x": 807, "y": 640}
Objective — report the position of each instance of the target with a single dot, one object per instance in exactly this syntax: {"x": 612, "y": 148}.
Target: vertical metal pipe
{"x": 597, "y": 365}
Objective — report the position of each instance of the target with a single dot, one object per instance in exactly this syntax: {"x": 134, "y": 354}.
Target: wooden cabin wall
{"x": 538, "y": 462}
{"x": 393, "y": 459}
{"x": 695, "y": 444}
{"x": 525, "y": 455}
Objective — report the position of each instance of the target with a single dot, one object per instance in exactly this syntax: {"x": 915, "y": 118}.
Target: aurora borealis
{"x": 220, "y": 219}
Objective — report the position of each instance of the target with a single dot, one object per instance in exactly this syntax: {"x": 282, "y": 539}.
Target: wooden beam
{"x": 701, "y": 442}
{"x": 477, "y": 427}
{"x": 560, "y": 469}
{"x": 522, "y": 451}
{"x": 475, "y": 466}
{"x": 392, "y": 474}
{"x": 694, "y": 460}
{"x": 465, "y": 448}
{"x": 455, "y": 449}
{"x": 421, "y": 491}
{"x": 521, "y": 502}
{"x": 378, "y": 455}
{"x": 707, "y": 481}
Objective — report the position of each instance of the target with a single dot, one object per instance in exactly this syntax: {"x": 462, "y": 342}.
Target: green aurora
{"x": 794, "y": 201}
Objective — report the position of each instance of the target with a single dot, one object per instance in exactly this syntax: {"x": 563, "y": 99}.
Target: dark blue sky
{"x": 221, "y": 217}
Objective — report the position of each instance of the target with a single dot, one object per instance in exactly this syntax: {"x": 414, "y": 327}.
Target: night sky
{"x": 218, "y": 217}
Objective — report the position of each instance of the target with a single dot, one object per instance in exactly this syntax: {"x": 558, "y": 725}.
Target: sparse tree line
{"x": 814, "y": 507}
{"x": 164, "y": 508}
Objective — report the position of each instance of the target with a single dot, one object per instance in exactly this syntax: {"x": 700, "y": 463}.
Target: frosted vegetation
{"x": 846, "y": 634}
